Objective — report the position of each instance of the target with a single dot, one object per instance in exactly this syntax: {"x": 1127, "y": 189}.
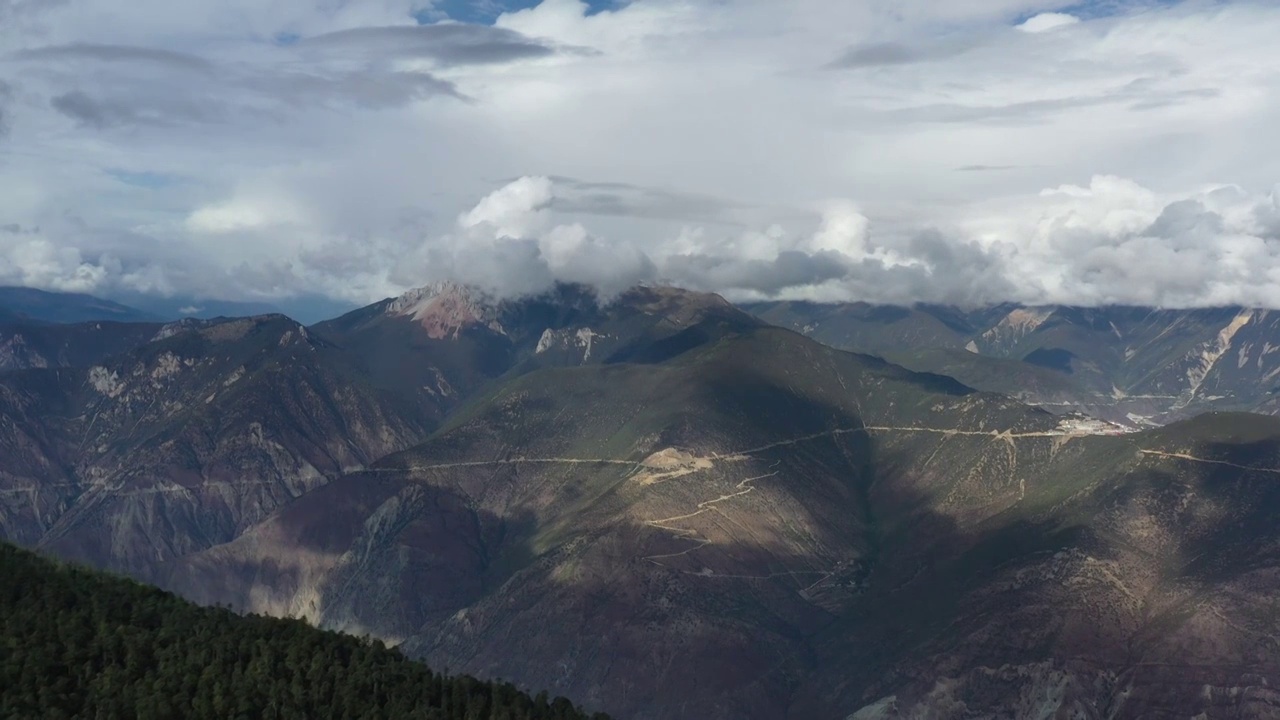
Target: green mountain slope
{"x": 79, "y": 643}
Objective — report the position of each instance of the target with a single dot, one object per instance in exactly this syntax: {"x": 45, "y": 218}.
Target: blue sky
{"x": 485, "y": 11}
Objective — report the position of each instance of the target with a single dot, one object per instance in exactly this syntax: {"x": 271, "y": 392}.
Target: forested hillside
{"x": 76, "y": 643}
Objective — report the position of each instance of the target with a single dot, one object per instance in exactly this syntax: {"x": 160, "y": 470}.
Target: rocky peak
{"x": 678, "y": 306}
{"x": 179, "y": 326}
{"x": 445, "y": 308}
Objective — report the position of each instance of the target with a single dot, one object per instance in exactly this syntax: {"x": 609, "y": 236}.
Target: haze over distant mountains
{"x": 664, "y": 507}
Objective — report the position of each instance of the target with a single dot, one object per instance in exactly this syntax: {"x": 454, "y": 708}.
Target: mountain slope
{"x": 1147, "y": 593}
{"x": 677, "y": 531}
{"x": 763, "y": 527}
{"x": 185, "y": 441}
{"x": 28, "y": 344}
{"x": 82, "y": 644}
{"x": 450, "y": 340}
{"x": 666, "y": 509}
{"x": 196, "y": 430}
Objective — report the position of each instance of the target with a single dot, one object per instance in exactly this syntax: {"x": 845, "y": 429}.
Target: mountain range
{"x": 666, "y": 506}
{"x": 30, "y": 304}
{"x": 1131, "y": 365}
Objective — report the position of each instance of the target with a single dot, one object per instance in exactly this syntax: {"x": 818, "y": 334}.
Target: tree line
{"x": 78, "y": 643}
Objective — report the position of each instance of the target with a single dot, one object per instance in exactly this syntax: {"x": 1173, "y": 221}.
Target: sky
{"x": 967, "y": 152}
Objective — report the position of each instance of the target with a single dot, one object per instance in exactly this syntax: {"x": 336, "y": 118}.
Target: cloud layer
{"x": 967, "y": 152}
{"x": 1111, "y": 241}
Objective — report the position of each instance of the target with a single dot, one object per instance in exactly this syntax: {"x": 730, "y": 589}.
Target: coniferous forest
{"x": 76, "y": 643}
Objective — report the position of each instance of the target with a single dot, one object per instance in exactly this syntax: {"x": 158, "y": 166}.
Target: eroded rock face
{"x": 569, "y": 340}
{"x": 446, "y": 309}
{"x": 186, "y": 441}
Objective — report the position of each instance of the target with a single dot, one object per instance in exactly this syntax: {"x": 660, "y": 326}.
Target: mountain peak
{"x": 667, "y": 297}
{"x": 445, "y": 308}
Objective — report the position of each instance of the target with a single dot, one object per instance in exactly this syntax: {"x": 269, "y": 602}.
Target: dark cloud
{"x": 959, "y": 271}
{"x": 1267, "y": 215}
{"x": 6, "y": 95}
{"x": 367, "y": 88}
{"x": 790, "y": 269}
{"x": 88, "y": 52}
{"x": 92, "y": 113}
{"x": 134, "y": 101}
{"x": 123, "y": 110}
{"x": 1158, "y": 101}
{"x": 444, "y": 43}
{"x": 1030, "y": 111}
{"x": 508, "y": 266}
{"x": 985, "y": 168}
{"x": 893, "y": 53}
{"x": 1186, "y": 221}
{"x": 1142, "y": 94}
{"x": 627, "y": 200}
{"x": 930, "y": 267}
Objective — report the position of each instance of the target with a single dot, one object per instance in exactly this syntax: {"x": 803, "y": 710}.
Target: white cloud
{"x": 844, "y": 230}
{"x": 1044, "y": 22}
{"x": 31, "y": 260}
{"x": 513, "y": 210}
{"x": 236, "y": 216}
{"x": 671, "y": 139}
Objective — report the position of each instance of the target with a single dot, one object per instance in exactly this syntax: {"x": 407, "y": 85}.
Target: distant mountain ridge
{"x": 19, "y": 304}
{"x": 22, "y": 303}
{"x": 1128, "y": 364}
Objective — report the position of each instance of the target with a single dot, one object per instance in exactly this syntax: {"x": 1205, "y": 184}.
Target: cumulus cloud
{"x": 32, "y": 260}
{"x": 1109, "y": 242}
{"x": 509, "y": 243}
{"x": 808, "y": 149}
